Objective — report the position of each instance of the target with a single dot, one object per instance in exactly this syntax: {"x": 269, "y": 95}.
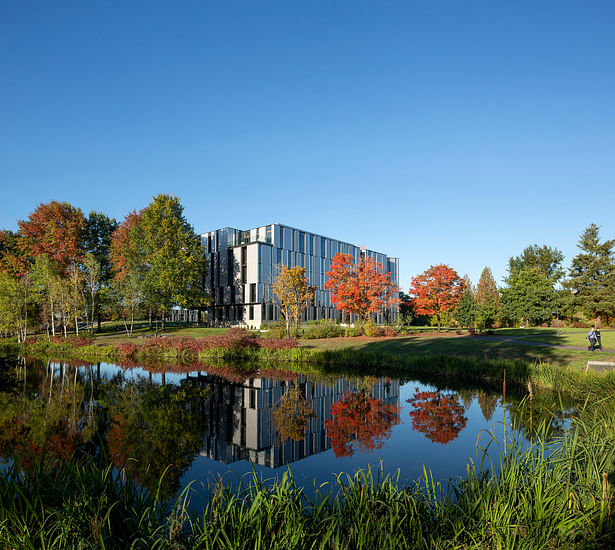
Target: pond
{"x": 204, "y": 423}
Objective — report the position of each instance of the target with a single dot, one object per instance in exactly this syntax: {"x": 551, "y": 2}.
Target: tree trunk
{"x": 51, "y": 314}
{"x": 438, "y": 322}
{"x": 149, "y": 314}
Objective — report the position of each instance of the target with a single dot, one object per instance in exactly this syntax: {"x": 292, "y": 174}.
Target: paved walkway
{"x": 538, "y": 344}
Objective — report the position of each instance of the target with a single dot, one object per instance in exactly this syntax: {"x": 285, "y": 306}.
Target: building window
{"x": 251, "y": 313}
{"x": 253, "y": 292}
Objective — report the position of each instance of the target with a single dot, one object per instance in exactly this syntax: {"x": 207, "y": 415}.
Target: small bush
{"x": 277, "y": 329}
{"x": 353, "y": 332}
{"x": 323, "y": 329}
{"x": 390, "y": 331}
{"x": 371, "y": 329}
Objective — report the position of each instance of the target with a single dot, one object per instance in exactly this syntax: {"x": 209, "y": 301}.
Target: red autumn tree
{"x": 362, "y": 288}
{"x": 439, "y": 417}
{"x": 124, "y": 251}
{"x": 362, "y": 420}
{"x": 56, "y": 230}
{"x": 12, "y": 259}
{"x": 436, "y": 291}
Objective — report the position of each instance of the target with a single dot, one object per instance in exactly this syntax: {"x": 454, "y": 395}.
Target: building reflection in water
{"x": 240, "y": 416}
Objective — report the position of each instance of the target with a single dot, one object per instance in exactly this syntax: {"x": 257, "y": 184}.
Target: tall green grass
{"x": 520, "y": 495}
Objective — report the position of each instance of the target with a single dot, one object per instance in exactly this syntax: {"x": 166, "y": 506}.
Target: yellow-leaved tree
{"x": 293, "y": 293}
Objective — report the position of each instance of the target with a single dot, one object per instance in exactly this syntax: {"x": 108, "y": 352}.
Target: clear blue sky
{"x": 436, "y": 131}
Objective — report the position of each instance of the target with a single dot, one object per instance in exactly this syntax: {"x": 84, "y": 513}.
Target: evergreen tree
{"x": 466, "y": 310}
{"x": 592, "y": 275}
{"x": 488, "y": 305}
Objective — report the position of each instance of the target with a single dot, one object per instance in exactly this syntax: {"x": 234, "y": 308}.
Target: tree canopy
{"x": 436, "y": 291}
{"x": 293, "y": 292}
{"x": 592, "y": 275}
{"x": 360, "y": 288}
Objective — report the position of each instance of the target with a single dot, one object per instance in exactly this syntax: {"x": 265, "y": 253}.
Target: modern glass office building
{"x": 244, "y": 263}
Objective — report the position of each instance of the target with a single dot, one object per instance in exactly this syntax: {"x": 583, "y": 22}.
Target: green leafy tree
{"x": 547, "y": 260}
{"x": 540, "y": 268}
{"x": 174, "y": 258}
{"x": 92, "y": 279}
{"x": 529, "y": 298}
{"x": 97, "y": 237}
{"x": 16, "y": 301}
{"x": 98, "y": 269}
{"x": 407, "y": 313}
{"x": 592, "y": 275}
{"x": 47, "y": 282}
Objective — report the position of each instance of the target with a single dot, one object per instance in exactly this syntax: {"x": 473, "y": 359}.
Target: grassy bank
{"x": 421, "y": 357}
{"x": 541, "y": 497}
{"x": 529, "y": 345}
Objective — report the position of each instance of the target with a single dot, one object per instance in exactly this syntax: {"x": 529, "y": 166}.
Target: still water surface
{"x": 210, "y": 423}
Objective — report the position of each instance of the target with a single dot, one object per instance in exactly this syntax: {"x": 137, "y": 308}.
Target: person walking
{"x": 591, "y": 336}
{"x": 598, "y": 338}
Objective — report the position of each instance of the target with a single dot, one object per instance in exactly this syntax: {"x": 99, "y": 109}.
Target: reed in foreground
{"x": 538, "y": 495}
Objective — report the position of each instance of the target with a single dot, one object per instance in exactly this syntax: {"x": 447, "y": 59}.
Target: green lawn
{"x": 446, "y": 344}
{"x": 115, "y": 334}
{"x": 567, "y": 336}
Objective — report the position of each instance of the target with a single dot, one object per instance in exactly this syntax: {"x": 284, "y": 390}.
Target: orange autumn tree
{"x": 361, "y": 420}
{"x": 440, "y": 417}
{"x": 294, "y": 294}
{"x": 436, "y": 291}
{"x": 362, "y": 288}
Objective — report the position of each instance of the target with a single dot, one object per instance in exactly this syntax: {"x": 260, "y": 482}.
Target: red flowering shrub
{"x": 81, "y": 341}
{"x": 239, "y": 338}
{"x": 127, "y": 349}
{"x": 274, "y": 343}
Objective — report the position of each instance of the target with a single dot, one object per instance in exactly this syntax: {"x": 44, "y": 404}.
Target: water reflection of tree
{"x": 153, "y": 428}
{"x": 488, "y": 403}
{"x": 292, "y": 415}
{"x": 360, "y": 420}
{"x": 47, "y": 422}
{"x": 60, "y": 412}
{"x": 440, "y": 417}
{"x": 546, "y": 414}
